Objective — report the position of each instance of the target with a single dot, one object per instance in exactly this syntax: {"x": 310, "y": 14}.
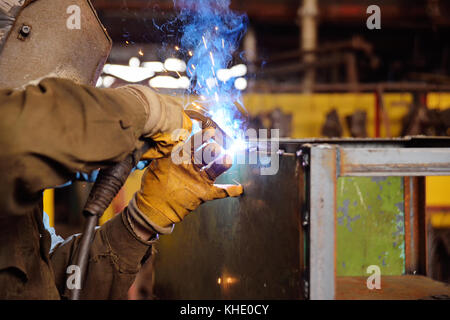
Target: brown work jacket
{"x": 49, "y": 132}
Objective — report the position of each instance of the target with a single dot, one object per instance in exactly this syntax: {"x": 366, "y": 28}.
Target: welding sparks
{"x": 212, "y": 59}
{"x": 211, "y": 83}
{"x": 212, "y": 32}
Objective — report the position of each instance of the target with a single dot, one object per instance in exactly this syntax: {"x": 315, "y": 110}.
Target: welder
{"x": 54, "y": 124}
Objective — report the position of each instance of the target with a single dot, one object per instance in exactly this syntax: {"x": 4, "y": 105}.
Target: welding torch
{"x": 207, "y": 122}
{"x": 108, "y": 183}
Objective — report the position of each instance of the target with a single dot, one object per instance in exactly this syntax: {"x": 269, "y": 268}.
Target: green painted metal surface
{"x": 370, "y": 225}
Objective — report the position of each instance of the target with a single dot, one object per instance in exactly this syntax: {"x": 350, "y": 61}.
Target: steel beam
{"x": 323, "y": 180}
{"x": 394, "y": 162}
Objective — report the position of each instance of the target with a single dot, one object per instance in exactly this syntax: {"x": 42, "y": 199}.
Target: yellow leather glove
{"x": 166, "y": 123}
{"x": 170, "y": 191}
{"x": 164, "y": 142}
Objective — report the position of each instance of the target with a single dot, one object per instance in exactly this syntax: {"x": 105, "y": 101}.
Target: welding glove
{"x": 170, "y": 191}
{"x": 166, "y": 124}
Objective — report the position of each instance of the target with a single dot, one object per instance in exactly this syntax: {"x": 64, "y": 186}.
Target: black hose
{"x": 108, "y": 184}
{"x": 84, "y": 248}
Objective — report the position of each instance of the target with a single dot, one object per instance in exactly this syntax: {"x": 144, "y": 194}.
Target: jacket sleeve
{"x": 114, "y": 260}
{"x": 52, "y": 130}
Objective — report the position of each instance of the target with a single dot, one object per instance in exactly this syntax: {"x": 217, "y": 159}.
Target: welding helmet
{"x": 48, "y": 38}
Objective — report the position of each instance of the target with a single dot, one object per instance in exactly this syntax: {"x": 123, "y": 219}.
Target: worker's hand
{"x": 170, "y": 191}
{"x": 165, "y": 141}
{"x": 166, "y": 124}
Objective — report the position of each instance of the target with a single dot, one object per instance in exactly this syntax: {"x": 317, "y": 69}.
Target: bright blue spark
{"x": 212, "y": 32}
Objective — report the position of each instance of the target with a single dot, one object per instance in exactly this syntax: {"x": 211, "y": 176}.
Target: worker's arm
{"x": 114, "y": 260}
{"x": 52, "y": 130}
{"x": 169, "y": 191}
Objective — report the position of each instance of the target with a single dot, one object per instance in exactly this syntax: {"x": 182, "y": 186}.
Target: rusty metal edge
{"x": 323, "y": 179}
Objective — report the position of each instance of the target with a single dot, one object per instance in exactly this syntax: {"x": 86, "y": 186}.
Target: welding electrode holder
{"x": 207, "y": 122}
{"x": 108, "y": 183}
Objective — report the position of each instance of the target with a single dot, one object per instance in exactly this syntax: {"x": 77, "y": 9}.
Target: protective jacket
{"x": 48, "y": 133}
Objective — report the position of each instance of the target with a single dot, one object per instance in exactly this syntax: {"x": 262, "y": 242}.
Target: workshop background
{"x": 310, "y": 68}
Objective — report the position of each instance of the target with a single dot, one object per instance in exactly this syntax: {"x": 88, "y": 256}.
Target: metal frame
{"x": 328, "y": 162}
{"x": 415, "y": 226}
